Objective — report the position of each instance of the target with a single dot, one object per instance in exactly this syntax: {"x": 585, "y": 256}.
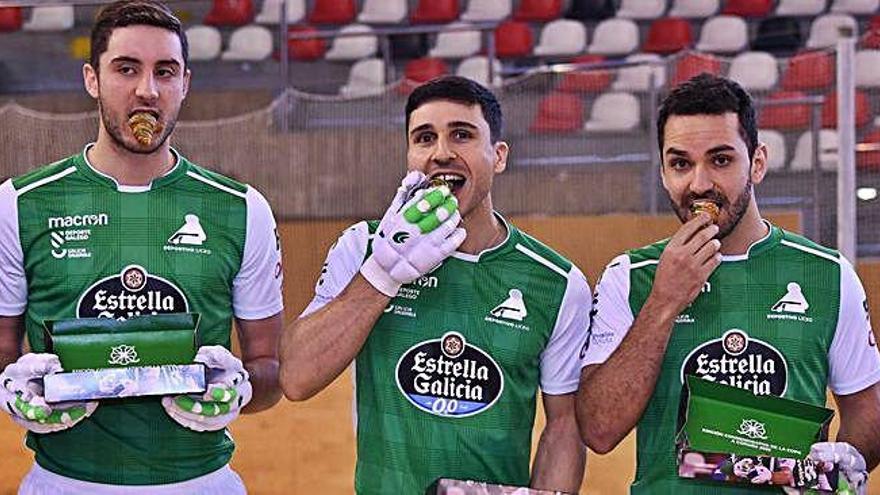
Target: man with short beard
{"x": 726, "y": 287}
{"x": 130, "y": 228}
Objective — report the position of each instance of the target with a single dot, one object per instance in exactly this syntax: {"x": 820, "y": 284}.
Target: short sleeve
{"x": 854, "y": 363}
{"x": 344, "y": 260}
{"x": 612, "y": 315}
{"x": 13, "y": 283}
{"x": 256, "y": 290}
{"x": 560, "y": 361}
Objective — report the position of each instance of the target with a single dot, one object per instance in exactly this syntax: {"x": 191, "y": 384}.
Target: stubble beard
{"x": 736, "y": 210}
{"x": 113, "y": 124}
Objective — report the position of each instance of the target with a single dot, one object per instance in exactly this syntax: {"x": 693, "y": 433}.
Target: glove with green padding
{"x": 848, "y": 460}
{"x": 418, "y": 231}
{"x": 229, "y": 389}
{"x": 21, "y": 392}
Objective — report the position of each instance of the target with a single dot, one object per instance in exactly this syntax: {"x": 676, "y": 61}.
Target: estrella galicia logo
{"x": 400, "y": 237}
{"x": 739, "y": 361}
{"x": 132, "y": 292}
{"x": 449, "y": 377}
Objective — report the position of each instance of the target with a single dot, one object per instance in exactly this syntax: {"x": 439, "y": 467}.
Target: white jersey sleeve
{"x": 256, "y": 289}
{"x": 13, "y": 284}
{"x": 612, "y": 314}
{"x": 560, "y": 363}
{"x": 854, "y": 363}
{"x": 344, "y": 260}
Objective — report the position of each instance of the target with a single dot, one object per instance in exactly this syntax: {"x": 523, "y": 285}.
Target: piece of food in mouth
{"x": 453, "y": 181}
{"x": 708, "y": 207}
{"x": 144, "y": 126}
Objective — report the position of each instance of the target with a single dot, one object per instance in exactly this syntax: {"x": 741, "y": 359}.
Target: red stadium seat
{"x": 869, "y": 159}
{"x": 513, "y": 39}
{"x": 435, "y": 12}
{"x": 586, "y": 80}
{"x": 786, "y": 117}
{"x": 305, "y": 48}
{"x": 693, "y": 64}
{"x": 809, "y": 71}
{"x": 748, "y": 8}
{"x": 559, "y": 112}
{"x": 538, "y": 10}
{"x": 333, "y": 12}
{"x": 668, "y": 35}
{"x": 421, "y": 70}
{"x": 829, "y": 110}
{"x": 10, "y": 19}
{"x": 230, "y": 13}
{"x": 871, "y": 38}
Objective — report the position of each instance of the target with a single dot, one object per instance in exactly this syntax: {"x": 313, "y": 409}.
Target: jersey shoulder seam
{"x": 42, "y": 176}
{"x": 544, "y": 251}
{"x": 805, "y": 245}
{"x": 218, "y": 181}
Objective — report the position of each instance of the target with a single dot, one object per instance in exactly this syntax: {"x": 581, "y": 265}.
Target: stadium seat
{"x": 748, "y": 8}
{"x": 693, "y": 64}
{"x": 10, "y": 19}
{"x": 305, "y": 49}
{"x": 824, "y": 30}
{"x": 435, "y": 12}
{"x": 800, "y": 7}
{"x": 637, "y": 78}
{"x": 871, "y": 39}
{"x": 868, "y": 152}
{"x": 51, "y": 18}
{"x": 204, "y": 42}
{"x": 693, "y": 9}
{"x": 785, "y": 116}
{"x": 803, "y": 151}
{"x": 353, "y": 47}
{"x": 422, "y": 70}
{"x": 668, "y": 35}
{"x": 561, "y": 37}
{"x": 383, "y": 12}
{"x": 332, "y": 12}
{"x": 230, "y": 13}
{"x": 855, "y": 7}
{"x": 775, "y": 148}
{"x": 538, "y": 10}
{"x": 249, "y": 44}
{"x": 487, "y": 10}
{"x": 477, "y": 69}
{"x": 613, "y": 112}
{"x": 586, "y": 80}
{"x": 559, "y": 113}
{"x": 868, "y": 69}
{"x": 615, "y": 37}
{"x": 590, "y": 10}
{"x": 809, "y": 71}
{"x": 778, "y": 35}
{"x": 457, "y": 44}
{"x": 723, "y": 34}
{"x": 755, "y": 71}
{"x": 513, "y": 39}
{"x": 270, "y": 13}
{"x": 641, "y": 9}
{"x": 80, "y": 48}
{"x": 365, "y": 78}
{"x": 829, "y": 110}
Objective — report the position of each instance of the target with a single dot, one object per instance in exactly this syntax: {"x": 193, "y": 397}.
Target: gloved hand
{"x": 414, "y": 236}
{"x": 21, "y": 394}
{"x": 849, "y": 461}
{"x": 228, "y": 390}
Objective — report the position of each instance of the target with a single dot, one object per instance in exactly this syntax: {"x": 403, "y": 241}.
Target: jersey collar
{"x": 475, "y": 258}
{"x": 771, "y": 239}
{"x": 177, "y": 171}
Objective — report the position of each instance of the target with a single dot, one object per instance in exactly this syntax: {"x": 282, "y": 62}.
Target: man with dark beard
{"x": 717, "y": 295}
{"x": 130, "y": 228}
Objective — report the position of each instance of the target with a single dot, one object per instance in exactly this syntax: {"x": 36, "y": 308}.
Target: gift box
{"x": 447, "y": 486}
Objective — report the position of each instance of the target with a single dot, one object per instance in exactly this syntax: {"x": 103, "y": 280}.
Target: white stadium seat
{"x": 775, "y": 148}
{"x": 366, "y": 78}
{"x": 382, "y": 11}
{"x": 723, "y": 34}
{"x": 249, "y": 44}
{"x": 271, "y": 12}
{"x": 803, "y": 151}
{"x": 353, "y": 47}
{"x": 487, "y": 10}
{"x": 456, "y": 44}
{"x": 693, "y": 9}
{"x": 613, "y": 112}
{"x": 641, "y": 9}
{"x": 562, "y": 37}
{"x": 758, "y": 71}
{"x": 856, "y": 7}
{"x": 477, "y": 69}
{"x": 824, "y": 30}
{"x": 638, "y": 77}
{"x": 800, "y": 7}
{"x": 868, "y": 68}
{"x": 204, "y": 42}
{"x": 50, "y": 18}
{"x": 616, "y": 37}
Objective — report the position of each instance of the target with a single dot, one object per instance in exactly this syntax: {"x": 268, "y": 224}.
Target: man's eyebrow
{"x": 676, "y": 152}
{"x": 461, "y": 123}
{"x": 423, "y": 127}
{"x": 720, "y": 148}
{"x": 123, "y": 58}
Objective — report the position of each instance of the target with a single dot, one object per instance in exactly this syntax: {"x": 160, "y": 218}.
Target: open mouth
{"x": 708, "y": 206}
{"x": 455, "y": 181}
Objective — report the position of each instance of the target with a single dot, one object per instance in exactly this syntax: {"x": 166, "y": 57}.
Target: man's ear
{"x": 90, "y": 80}
{"x": 502, "y": 150}
{"x": 759, "y": 164}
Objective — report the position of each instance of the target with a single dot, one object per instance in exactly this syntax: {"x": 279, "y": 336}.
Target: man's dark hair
{"x": 706, "y": 94}
{"x": 133, "y": 13}
{"x": 459, "y": 90}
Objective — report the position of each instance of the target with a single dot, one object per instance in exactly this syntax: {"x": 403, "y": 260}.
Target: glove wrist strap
{"x": 379, "y": 278}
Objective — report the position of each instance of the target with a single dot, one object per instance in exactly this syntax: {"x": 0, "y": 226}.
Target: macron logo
{"x": 78, "y": 221}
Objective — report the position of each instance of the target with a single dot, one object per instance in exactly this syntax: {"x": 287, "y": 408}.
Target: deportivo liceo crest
{"x": 449, "y": 377}
{"x": 132, "y": 292}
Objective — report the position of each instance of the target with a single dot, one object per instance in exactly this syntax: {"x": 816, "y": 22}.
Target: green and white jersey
{"x": 446, "y": 382}
{"x": 73, "y": 243}
{"x": 788, "y": 318}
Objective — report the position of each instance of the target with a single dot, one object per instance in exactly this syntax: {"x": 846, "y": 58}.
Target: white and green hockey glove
{"x": 21, "y": 393}
{"x": 850, "y": 463}
{"x": 228, "y": 390}
{"x": 419, "y": 231}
